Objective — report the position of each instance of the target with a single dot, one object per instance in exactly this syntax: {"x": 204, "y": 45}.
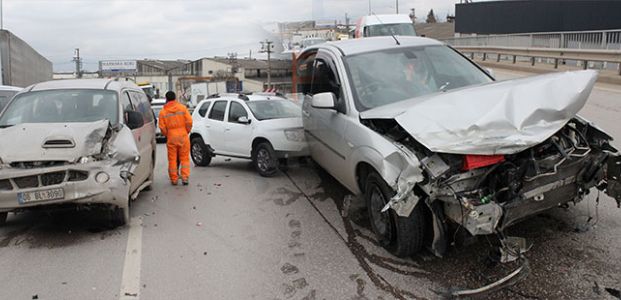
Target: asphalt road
{"x": 232, "y": 234}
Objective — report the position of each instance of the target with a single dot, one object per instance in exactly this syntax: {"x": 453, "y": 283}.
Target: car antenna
{"x": 391, "y": 34}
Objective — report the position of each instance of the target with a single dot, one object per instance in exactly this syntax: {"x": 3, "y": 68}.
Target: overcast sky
{"x": 171, "y": 29}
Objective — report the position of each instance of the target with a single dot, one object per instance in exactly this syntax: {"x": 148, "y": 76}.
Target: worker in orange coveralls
{"x": 175, "y": 123}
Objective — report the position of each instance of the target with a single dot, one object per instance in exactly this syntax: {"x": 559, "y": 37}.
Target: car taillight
{"x": 479, "y": 161}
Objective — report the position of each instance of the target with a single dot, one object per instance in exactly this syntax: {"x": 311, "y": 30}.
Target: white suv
{"x": 261, "y": 127}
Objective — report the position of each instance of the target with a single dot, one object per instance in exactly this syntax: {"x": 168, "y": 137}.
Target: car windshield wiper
{"x": 5, "y": 126}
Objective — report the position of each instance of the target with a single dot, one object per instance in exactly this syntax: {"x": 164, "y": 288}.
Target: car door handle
{"x": 207, "y": 126}
{"x": 227, "y": 129}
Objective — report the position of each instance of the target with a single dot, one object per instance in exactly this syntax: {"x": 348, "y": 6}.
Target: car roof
{"x": 10, "y": 88}
{"x": 158, "y": 101}
{"x": 247, "y": 97}
{"x": 370, "y": 44}
{"x": 96, "y": 84}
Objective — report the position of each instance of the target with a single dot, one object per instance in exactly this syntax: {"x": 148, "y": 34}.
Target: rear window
{"x": 204, "y": 108}
{"x": 217, "y": 112}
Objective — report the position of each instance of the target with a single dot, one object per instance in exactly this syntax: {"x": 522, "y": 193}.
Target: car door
{"x": 237, "y": 135}
{"x": 146, "y": 135}
{"x": 214, "y": 125}
{"x": 128, "y": 105}
{"x": 326, "y": 127}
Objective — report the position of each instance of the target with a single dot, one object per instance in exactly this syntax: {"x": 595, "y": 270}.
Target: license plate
{"x": 52, "y": 194}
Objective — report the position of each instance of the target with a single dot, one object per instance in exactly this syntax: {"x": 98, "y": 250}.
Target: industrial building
{"x": 504, "y": 17}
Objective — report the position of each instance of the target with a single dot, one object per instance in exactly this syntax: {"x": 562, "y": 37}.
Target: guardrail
{"x": 601, "y": 39}
{"x": 558, "y": 54}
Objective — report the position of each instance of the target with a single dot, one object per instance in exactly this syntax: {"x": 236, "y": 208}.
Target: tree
{"x": 431, "y": 17}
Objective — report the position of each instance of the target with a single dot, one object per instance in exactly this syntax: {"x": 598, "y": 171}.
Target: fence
{"x": 604, "y": 39}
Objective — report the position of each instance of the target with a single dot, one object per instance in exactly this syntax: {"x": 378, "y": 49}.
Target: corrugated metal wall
{"x": 21, "y": 64}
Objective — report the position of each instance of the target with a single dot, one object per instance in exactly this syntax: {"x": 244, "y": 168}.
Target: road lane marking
{"x": 130, "y": 282}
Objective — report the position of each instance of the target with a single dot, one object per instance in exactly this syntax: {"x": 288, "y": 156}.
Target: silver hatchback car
{"x": 81, "y": 142}
{"x": 426, "y": 136}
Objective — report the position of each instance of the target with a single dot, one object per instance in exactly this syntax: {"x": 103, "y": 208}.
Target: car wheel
{"x": 3, "y": 217}
{"x": 118, "y": 216}
{"x": 199, "y": 152}
{"x": 265, "y": 160}
{"x": 151, "y": 177}
{"x": 401, "y": 236}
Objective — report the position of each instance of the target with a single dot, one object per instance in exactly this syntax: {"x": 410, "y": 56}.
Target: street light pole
{"x": 266, "y": 47}
{"x": 397, "y": 5}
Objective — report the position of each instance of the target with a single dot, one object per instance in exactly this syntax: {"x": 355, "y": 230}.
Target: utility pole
{"x": 1, "y": 15}
{"x": 266, "y": 47}
{"x": 78, "y": 63}
{"x": 369, "y": 7}
{"x": 347, "y": 23}
{"x": 397, "y": 5}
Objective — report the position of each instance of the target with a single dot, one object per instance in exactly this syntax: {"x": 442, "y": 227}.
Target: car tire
{"x": 3, "y": 217}
{"x": 265, "y": 160}
{"x": 401, "y": 236}
{"x": 118, "y": 216}
{"x": 151, "y": 176}
{"x": 199, "y": 152}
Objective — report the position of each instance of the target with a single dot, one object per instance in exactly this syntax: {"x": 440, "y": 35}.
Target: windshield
{"x": 5, "y": 96}
{"x": 387, "y": 76}
{"x": 60, "y": 106}
{"x": 390, "y": 29}
{"x": 274, "y": 109}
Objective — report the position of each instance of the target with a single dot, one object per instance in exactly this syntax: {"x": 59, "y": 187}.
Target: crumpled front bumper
{"x": 83, "y": 190}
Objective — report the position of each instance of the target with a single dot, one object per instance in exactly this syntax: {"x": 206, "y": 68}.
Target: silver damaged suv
{"x": 426, "y": 136}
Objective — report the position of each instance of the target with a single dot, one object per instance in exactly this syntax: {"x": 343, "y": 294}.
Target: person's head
{"x": 170, "y": 96}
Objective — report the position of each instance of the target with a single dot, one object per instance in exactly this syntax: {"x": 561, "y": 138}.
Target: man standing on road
{"x": 175, "y": 123}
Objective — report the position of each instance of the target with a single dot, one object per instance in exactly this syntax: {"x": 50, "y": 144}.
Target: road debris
{"x": 288, "y": 269}
{"x": 199, "y": 224}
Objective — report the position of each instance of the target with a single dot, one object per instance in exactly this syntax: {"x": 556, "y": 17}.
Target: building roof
{"x": 98, "y": 84}
{"x": 356, "y": 46}
{"x": 163, "y": 64}
{"x": 255, "y": 64}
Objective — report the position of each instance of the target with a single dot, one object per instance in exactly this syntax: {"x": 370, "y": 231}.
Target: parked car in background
{"x": 261, "y": 127}
{"x": 157, "y": 105}
{"x": 6, "y": 93}
{"x": 90, "y": 141}
{"x": 426, "y": 136}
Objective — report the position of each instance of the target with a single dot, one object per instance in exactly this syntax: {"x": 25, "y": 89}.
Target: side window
{"x": 324, "y": 79}
{"x": 126, "y": 104}
{"x": 235, "y": 111}
{"x": 141, "y": 102}
{"x": 217, "y": 111}
{"x": 204, "y": 108}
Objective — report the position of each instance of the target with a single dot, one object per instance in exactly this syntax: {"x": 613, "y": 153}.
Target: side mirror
{"x": 134, "y": 119}
{"x": 490, "y": 71}
{"x": 243, "y": 120}
{"x": 324, "y": 101}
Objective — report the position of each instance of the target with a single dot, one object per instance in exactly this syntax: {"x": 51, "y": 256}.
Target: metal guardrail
{"x": 558, "y": 54}
{"x": 602, "y": 39}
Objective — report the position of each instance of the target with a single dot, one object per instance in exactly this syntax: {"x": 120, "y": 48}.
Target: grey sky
{"x": 170, "y": 29}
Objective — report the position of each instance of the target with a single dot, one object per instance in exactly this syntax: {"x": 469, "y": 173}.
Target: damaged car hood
{"x": 52, "y": 141}
{"x": 504, "y": 117}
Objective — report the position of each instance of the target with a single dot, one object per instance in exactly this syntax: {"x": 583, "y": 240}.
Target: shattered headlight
{"x": 295, "y": 135}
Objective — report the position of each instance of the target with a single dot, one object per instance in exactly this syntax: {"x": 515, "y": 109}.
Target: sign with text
{"x": 117, "y": 65}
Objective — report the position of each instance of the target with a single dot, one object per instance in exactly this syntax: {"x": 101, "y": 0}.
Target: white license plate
{"x": 52, "y": 194}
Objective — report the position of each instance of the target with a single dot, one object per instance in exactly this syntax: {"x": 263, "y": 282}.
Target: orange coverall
{"x": 175, "y": 123}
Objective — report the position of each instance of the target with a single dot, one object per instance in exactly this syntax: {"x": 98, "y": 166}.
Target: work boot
{"x": 185, "y": 182}
{"x": 173, "y": 182}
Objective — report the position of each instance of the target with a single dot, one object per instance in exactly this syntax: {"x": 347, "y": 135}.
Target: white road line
{"x": 130, "y": 282}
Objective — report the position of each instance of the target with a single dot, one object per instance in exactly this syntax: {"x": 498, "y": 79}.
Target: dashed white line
{"x": 130, "y": 282}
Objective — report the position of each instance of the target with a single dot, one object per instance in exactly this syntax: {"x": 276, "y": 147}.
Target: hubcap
{"x": 197, "y": 152}
{"x": 263, "y": 160}
{"x": 380, "y": 220}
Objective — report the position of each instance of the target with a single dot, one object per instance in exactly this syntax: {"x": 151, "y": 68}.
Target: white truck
{"x": 201, "y": 90}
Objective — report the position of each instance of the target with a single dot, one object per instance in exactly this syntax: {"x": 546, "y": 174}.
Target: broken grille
{"x": 45, "y": 179}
